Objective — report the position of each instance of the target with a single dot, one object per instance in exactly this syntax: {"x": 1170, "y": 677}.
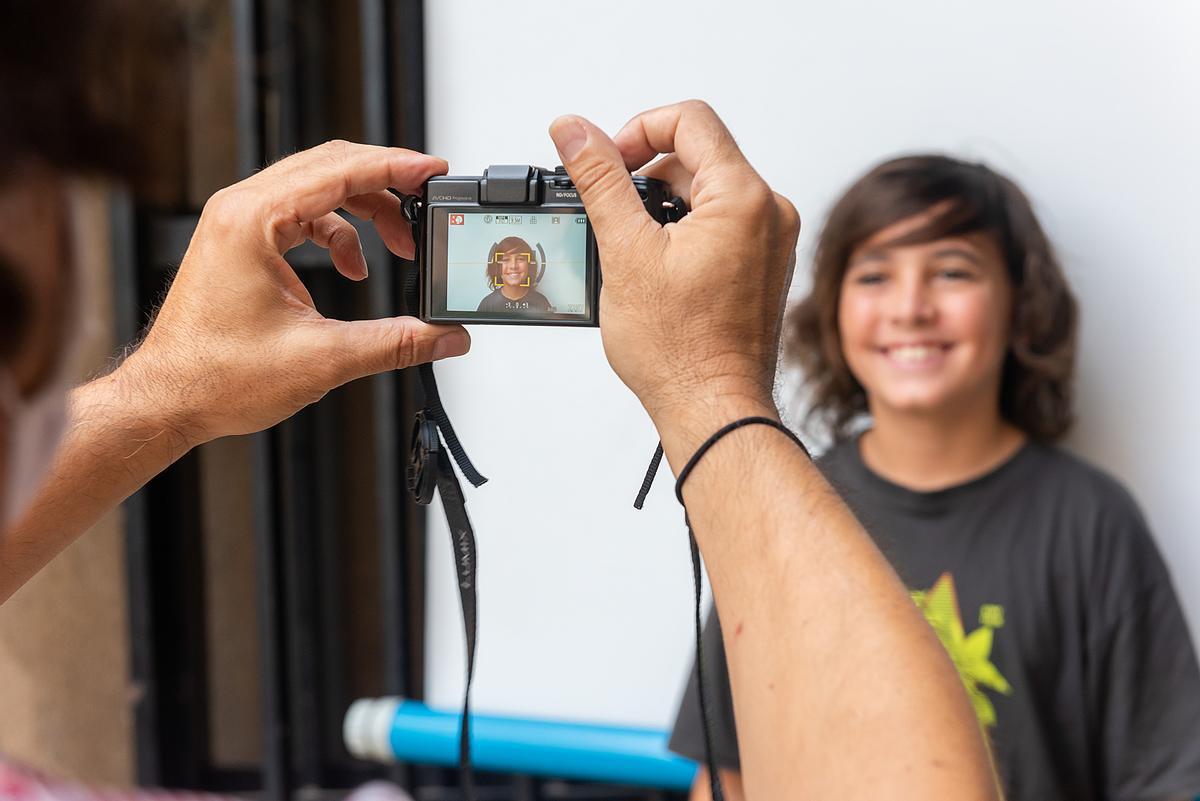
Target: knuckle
{"x": 282, "y": 223}
{"x": 225, "y": 208}
{"x": 335, "y": 147}
{"x": 759, "y": 199}
{"x": 405, "y": 347}
{"x": 333, "y": 155}
{"x": 788, "y": 214}
{"x": 697, "y": 106}
{"x": 341, "y": 233}
{"x": 598, "y": 177}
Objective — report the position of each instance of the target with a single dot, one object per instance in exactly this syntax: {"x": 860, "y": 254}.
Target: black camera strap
{"x": 462, "y": 541}
{"x": 430, "y": 467}
{"x": 714, "y": 777}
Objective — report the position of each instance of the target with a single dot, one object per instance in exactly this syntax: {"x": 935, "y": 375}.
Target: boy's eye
{"x": 868, "y": 278}
{"x": 956, "y": 274}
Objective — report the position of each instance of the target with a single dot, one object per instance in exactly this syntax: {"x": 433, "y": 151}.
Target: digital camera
{"x": 513, "y": 247}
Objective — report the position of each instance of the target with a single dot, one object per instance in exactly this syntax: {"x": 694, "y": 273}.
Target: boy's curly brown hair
{"x": 1036, "y": 385}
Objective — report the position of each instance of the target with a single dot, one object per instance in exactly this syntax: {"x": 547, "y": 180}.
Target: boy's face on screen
{"x": 514, "y": 268}
{"x": 925, "y": 327}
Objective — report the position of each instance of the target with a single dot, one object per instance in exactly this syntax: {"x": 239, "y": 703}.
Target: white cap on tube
{"x": 367, "y": 728}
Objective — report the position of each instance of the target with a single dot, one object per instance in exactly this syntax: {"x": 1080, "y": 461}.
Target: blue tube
{"x": 617, "y": 755}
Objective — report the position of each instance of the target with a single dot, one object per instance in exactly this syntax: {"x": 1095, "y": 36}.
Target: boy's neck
{"x": 934, "y": 451}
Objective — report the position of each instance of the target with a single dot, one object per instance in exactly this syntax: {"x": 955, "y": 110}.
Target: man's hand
{"x": 238, "y": 344}
{"x": 690, "y": 311}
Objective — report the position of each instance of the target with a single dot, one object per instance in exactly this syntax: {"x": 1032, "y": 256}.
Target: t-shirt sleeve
{"x": 687, "y": 735}
{"x": 1143, "y": 674}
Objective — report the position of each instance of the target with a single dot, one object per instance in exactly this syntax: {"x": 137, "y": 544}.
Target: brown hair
{"x": 69, "y": 85}
{"x": 1035, "y": 388}
{"x": 73, "y": 75}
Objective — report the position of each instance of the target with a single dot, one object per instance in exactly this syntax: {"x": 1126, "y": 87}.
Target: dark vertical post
{"x": 143, "y": 675}
{"x": 275, "y": 780}
{"x": 252, "y": 115}
{"x": 408, "y": 67}
{"x": 298, "y": 510}
{"x": 247, "y": 112}
{"x": 389, "y": 489}
{"x": 407, "y": 62}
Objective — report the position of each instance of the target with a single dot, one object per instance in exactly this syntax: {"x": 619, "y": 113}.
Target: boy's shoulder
{"x": 1072, "y": 480}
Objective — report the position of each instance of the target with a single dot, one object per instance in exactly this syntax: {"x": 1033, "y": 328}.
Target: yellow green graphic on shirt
{"x": 971, "y": 653}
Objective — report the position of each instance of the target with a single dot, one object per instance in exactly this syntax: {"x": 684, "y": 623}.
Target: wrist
{"x": 137, "y": 403}
{"x": 684, "y": 427}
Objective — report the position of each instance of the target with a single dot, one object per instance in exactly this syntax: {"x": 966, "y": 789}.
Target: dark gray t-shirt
{"x": 1042, "y": 581}
{"x": 533, "y": 301}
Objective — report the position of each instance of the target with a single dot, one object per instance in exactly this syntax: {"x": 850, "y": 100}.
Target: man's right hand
{"x": 238, "y": 344}
{"x": 690, "y": 311}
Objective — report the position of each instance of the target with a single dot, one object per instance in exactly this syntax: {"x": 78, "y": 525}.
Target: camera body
{"x": 513, "y": 247}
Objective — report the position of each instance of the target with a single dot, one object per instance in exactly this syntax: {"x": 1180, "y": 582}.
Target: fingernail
{"x": 569, "y": 137}
{"x": 453, "y": 344}
{"x": 363, "y": 256}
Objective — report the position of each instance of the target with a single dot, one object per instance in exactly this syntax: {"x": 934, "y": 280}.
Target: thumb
{"x": 598, "y": 170}
{"x": 392, "y": 343}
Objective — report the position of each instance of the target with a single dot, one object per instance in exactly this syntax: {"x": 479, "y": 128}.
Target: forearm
{"x": 731, "y": 786}
{"x": 116, "y": 442}
{"x": 840, "y": 689}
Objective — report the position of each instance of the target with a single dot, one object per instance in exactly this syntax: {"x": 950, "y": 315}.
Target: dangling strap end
{"x": 648, "y": 481}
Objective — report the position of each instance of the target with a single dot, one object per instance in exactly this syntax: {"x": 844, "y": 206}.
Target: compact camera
{"x": 513, "y": 246}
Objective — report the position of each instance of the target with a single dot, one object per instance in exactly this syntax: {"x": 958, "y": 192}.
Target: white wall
{"x": 1092, "y": 107}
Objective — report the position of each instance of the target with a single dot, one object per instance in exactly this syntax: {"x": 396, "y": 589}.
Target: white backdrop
{"x": 1092, "y": 107}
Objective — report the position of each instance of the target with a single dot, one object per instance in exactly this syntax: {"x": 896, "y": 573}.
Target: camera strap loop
{"x": 714, "y": 777}
{"x": 437, "y": 413}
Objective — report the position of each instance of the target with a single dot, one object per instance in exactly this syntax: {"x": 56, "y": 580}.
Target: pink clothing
{"x": 21, "y": 784}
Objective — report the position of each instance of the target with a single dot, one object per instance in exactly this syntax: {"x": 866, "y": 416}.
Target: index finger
{"x": 312, "y": 183}
{"x": 691, "y": 130}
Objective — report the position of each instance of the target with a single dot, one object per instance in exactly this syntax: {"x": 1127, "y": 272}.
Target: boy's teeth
{"x": 913, "y": 353}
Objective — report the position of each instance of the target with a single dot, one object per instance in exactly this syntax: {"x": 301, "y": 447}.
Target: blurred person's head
{"x": 511, "y": 265}
{"x": 65, "y": 91}
{"x": 936, "y": 292}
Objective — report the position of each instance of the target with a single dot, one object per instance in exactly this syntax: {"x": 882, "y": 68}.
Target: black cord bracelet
{"x": 721, "y": 432}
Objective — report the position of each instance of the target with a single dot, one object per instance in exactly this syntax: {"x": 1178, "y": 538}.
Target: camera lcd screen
{"x": 515, "y": 264}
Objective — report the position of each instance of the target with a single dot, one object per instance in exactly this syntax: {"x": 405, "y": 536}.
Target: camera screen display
{"x": 512, "y": 264}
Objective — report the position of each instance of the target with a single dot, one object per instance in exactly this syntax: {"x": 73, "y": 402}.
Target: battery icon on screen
{"x": 581, "y": 220}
